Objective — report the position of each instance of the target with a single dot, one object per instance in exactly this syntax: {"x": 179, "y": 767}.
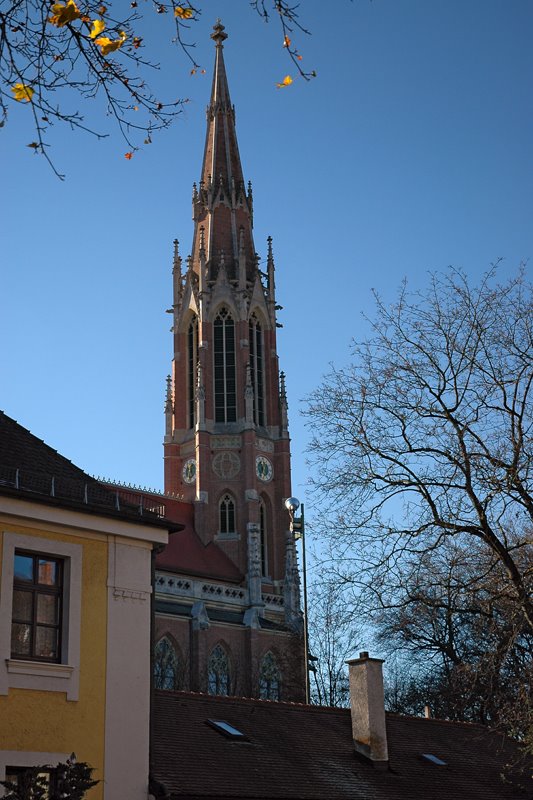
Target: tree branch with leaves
{"x": 55, "y": 53}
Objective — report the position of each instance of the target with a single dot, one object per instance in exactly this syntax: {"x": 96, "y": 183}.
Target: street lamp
{"x": 297, "y": 528}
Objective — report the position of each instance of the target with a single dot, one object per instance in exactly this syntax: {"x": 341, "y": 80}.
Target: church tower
{"x": 226, "y": 447}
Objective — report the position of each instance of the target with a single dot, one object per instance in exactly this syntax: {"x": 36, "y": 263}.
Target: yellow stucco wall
{"x": 45, "y": 721}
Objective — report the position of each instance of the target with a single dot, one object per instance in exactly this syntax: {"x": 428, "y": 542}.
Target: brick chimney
{"x": 367, "y": 704}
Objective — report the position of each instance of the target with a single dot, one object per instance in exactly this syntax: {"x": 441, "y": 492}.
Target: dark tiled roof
{"x": 297, "y": 752}
{"x": 32, "y": 469}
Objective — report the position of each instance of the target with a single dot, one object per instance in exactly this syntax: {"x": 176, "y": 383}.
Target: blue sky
{"x": 411, "y": 151}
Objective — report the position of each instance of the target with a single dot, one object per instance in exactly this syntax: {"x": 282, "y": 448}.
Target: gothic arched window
{"x": 192, "y": 362}
{"x": 224, "y": 355}
{"x": 257, "y": 369}
{"x": 263, "y": 533}
{"x": 165, "y": 665}
{"x": 218, "y": 674}
{"x": 226, "y": 515}
{"x": 269, "y": 679}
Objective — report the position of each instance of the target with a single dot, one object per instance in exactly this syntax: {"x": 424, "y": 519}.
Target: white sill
{"x": 40, "y": 668}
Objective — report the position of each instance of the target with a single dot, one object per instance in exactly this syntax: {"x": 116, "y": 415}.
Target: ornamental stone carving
{"x": 225, "y": 442}
{"x": 265, "y": 445}
{"x": 226, "y": 465}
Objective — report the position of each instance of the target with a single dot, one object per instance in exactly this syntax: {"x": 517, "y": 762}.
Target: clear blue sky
{"x": 412, "y": 150}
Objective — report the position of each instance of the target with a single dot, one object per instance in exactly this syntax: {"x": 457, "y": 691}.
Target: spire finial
{"x": 219, "y": 33}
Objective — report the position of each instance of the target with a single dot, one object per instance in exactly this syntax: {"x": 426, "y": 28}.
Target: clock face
{"x": 263, "y": 468}
{"x": 189, "y": 471}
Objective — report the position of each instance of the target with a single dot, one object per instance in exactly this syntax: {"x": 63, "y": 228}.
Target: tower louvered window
{"x": 192, "y": 361}
{"x": 224, "y": 354}
{"x": 263, "y": 532}
{"x": 257, "y": 369}
{"x": 227, "y": 515}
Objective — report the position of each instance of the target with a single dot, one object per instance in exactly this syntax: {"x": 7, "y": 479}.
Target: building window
{"x": 263, "y": 534}
{"x": 224, "y": 355}
{"x": 218, "y": 674}
{"x": 227, "y": 515}
{"x": 31, "y": 782}
{"x": 165, "y": 665}
{"x": 257, "y": 369}
{"x": 36, "y": 612}
{"x": 40, "y": 613}
{"x": 269, "y": 679}
{"x": 192, "y": 362}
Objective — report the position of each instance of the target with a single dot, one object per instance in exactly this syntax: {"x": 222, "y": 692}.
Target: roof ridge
{"x": 42, "y": 442}
{"x": 397, "y": 715}
{"x": 236, "y": 700}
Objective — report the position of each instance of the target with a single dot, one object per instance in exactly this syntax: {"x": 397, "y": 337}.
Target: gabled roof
{"x": 186, "y": 554}
{"x": 299, "y": 752}
{"x": 31, "y": 469}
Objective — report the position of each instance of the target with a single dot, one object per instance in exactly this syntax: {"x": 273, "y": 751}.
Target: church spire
{"x": 221, "y": 203}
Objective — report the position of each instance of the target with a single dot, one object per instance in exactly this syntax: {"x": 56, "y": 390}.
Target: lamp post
{"x": 297, "y": 529}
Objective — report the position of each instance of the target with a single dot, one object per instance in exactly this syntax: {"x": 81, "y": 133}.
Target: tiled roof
{"x": 32, "y": 469}
{"x": 298, "y": 752}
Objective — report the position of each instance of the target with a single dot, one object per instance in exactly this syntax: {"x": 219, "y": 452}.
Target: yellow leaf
{"x": 22, "y": 92}
{"x": 286, "y": 42}
{"x": 287, "y": 80}
{"x": 129, "y": 155}
{"x": 108, "y": 45}
{"x": 33, "y": 145}
{"x": 183, "y": 13}
{"x": 63, "y": 14}
{"x": 97, "y": 28}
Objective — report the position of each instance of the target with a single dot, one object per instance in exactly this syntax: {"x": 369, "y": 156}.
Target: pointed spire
{"x": 221, "y": 202}
{"x": 176, "y": 274}
{"x": 242, "y": 260}
{"x": 168, "y": 407}
{"x": 284, "y": 406}
{"x": 200, "y": 397}
{"x": 270, "y": 272}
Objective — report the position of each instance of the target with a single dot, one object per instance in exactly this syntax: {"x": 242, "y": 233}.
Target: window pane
{"x": 46, "y": 643}
{"x": 47, "y": 608}
{"x": 22, "y": 605}
{"x": 48, "y": 572}
{"x": 23, "y": 568}
{"x": 20, "y": 639}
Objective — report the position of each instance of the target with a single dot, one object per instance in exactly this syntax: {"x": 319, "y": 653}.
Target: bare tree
{"x": 427, "y": 437}
{"x": 463, "y": 648}
{"x": 333, "y": 638}
{"x": 55, "y": 54}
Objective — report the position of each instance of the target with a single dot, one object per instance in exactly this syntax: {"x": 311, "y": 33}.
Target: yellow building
{"x": 75, "y": 618}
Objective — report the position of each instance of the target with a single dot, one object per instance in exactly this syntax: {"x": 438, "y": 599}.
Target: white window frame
{"x": 43, "y": 676}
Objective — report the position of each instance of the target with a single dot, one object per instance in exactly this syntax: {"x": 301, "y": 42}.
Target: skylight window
{"x": 434, "y": 759}
{"x": 226, "y": 729}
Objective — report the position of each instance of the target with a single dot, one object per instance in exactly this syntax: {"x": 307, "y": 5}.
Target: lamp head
{"x": 292, "y": 504}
